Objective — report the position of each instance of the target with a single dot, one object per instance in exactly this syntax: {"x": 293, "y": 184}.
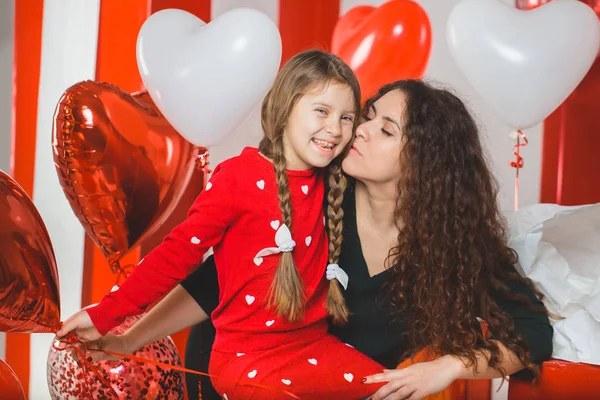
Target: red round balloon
{"x": 29, "y": 293}
{"x": 122, "y": 166}
{"x": 72, "y": 379}
{"x": 10, "y": 387}
{"x": 531, "y": 4}
{"x": 384, "y": 44}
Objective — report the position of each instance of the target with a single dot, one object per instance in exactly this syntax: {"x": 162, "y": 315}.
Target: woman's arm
{"x": 423, "y": 379}
{"x": 481, "y": 370}
{"x": 188, "y": 304}
{"x": 177, "y": 311}
{"x": 533, "y": 326}
{"x": 203, "y": 285}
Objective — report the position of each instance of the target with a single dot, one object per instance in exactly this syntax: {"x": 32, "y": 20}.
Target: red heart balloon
{"x": 384, "y": 44}
{"x": 122, "y": 166}
{"x": 29, "y": 294}
{"x": 10, "y": 387}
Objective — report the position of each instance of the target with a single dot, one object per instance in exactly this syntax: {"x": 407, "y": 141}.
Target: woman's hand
{"x": 81, "y": 324}
{"x": 418, "y": 380}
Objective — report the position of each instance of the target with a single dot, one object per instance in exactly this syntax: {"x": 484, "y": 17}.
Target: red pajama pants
{"x": 322, "y": 369}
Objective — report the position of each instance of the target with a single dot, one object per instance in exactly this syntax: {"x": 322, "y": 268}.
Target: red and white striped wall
{"x": 51, "y": 44}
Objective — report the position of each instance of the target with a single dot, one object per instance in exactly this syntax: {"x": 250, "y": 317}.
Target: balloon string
{"x": 518, "y": 163}
{"x": 121, "y": 273}
{"x": 72, "y": 339}
{"x": 70, "y": 343}
{"x": 202, "y": 160}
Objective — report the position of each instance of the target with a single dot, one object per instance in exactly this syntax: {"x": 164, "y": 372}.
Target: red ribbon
{"x": 71, "y": 340}
{"x": 518, "y": 163}
{"x": 70, "y": 343}
{"x": 121, "y": 272}
{"x": 202, "y": 162}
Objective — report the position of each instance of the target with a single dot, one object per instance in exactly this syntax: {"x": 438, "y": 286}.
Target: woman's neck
{"x": 377, "y": 203}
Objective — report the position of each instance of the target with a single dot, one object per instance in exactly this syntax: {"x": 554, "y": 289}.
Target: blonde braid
{"x": 335, "y": 303}
{"x": 286, "y": 294}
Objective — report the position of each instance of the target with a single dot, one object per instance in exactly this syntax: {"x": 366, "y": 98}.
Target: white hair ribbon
{"x": 283, "y": 240}
{"x": 335, "y": 272}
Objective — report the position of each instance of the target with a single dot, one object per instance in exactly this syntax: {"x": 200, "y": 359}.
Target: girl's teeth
{"x": 323, "y": 145}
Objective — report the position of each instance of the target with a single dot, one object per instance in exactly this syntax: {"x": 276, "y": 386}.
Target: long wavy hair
{"x": 452, "y": 254}
{"x": 304, "y": 72}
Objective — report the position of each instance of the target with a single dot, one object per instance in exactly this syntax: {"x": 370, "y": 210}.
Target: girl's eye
{"x": 348, "y": 118}
{"x": 386, "y": 132}
{"x": 322, "y": 111}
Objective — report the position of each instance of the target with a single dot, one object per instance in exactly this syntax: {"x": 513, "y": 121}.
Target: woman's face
{"x": 375, "y": 153}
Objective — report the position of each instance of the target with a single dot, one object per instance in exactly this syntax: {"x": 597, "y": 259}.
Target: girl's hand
{"x": 115, "y": 343}
{"x": 81, "y": 324}
{"x": 418, "y": 380}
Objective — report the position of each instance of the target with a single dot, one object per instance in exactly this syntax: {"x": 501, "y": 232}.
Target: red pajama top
{"x": 238, "y": 214}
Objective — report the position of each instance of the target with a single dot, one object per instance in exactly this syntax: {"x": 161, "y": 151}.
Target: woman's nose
{"x": 362, "y": 131}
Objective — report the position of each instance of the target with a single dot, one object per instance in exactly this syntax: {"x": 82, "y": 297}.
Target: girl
{"x": 274, "y": 302}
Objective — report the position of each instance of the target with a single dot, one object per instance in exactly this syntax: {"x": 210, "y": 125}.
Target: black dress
{"x": 369, "y": 328}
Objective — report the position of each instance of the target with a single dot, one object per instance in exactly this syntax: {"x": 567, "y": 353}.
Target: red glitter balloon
{"x": 72, "y": 379}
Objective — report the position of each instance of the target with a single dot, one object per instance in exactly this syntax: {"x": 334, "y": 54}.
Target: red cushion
{"x": 559, "y": 380}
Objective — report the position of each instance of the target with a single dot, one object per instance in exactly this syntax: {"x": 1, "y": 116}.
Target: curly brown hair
{"x": 452, "y": 254}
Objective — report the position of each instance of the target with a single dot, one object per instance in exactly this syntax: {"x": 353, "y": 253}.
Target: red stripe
{"x": 570, "y": 165}
{"x": 550, "y": 158}
{"x": 306, "y": 24}
{"x": 26, "y": 70}
{"x": 200, "y": 8}
{"x": 120, "y": 22}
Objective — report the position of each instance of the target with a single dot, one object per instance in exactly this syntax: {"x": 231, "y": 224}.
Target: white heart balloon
{"x": 207, "y": 78}
{"x": 524, "y": 64}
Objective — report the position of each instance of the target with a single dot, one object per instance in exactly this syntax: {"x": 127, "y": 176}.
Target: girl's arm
{"x": 177, "y": 311}
{"x": 211, "y": 214}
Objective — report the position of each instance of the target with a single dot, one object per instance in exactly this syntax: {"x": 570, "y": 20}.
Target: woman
{"x": 424, "y": 246}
